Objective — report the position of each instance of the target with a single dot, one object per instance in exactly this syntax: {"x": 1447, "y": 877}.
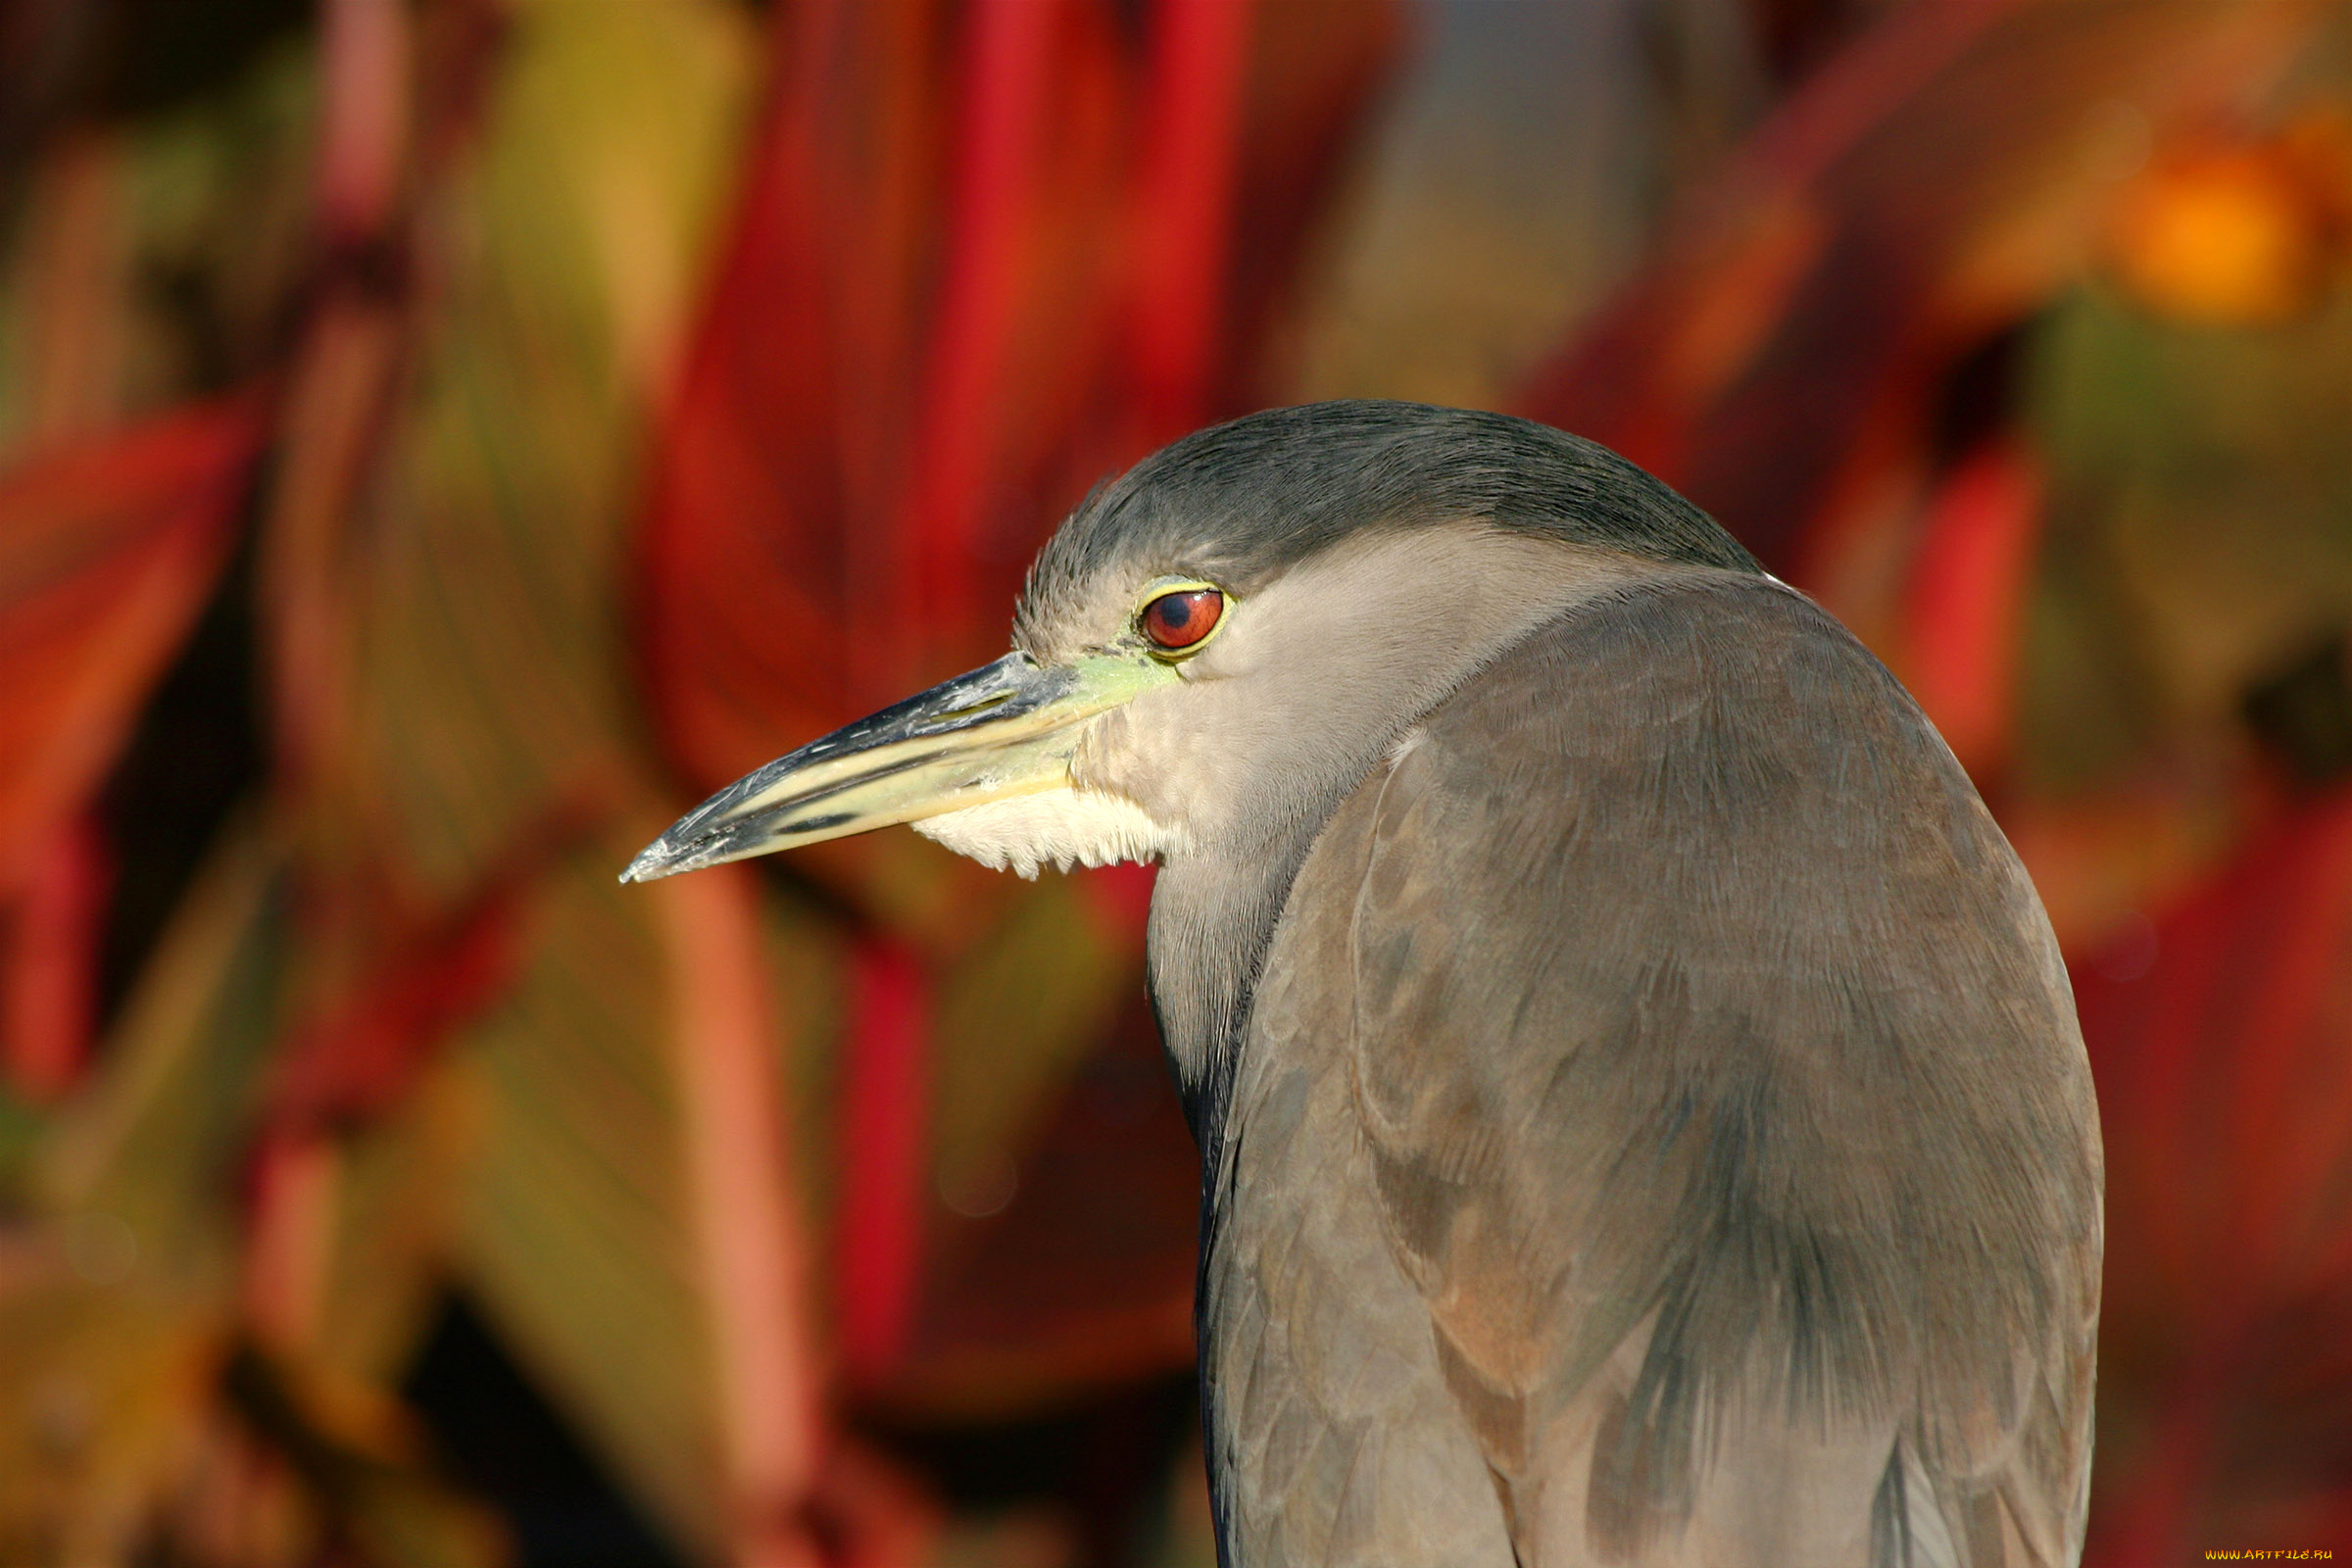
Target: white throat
{"x": 1058, "y": 827}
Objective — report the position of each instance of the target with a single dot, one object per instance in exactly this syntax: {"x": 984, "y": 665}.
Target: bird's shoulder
{"x": 1721, "y": 1095}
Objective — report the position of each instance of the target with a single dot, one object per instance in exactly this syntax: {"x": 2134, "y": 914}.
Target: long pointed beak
{"x": 1007, "y": 729}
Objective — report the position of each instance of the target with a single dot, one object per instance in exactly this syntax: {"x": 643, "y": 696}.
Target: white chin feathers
{"x": 1061, "y": 827}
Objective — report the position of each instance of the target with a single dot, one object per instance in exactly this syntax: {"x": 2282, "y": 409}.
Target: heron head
{"x": 1215, "y": 646}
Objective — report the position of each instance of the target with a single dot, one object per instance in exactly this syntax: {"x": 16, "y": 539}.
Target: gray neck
{"x": 1302, "y": 712}
{"x": 1212, "y": 920}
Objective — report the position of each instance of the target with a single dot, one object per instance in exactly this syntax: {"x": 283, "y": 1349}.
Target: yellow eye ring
{"x": 1180, "y": 617}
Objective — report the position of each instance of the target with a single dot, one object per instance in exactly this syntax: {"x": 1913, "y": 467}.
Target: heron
{"x": 1642, "y": 1114}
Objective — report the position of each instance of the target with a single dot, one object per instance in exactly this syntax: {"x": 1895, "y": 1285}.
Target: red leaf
{"x": 884, "y": 1126}
{"x": 49, "y": 962}
{"x": 107, "y": 552}
{"x": 2226, "y": 1071}
{"x": 1963, "y": 616}
{"x": 356, "y": 1057}
{"x": 2224, "y": 1074}
{"x": 356, "y": 1060}
{"x": 1012, "y": 49}
{"x": 1086, "y": 1276}
{"x": 1186, "y": 218}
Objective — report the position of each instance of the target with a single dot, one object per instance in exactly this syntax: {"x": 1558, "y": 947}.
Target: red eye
{"x": 1182, "y": 619}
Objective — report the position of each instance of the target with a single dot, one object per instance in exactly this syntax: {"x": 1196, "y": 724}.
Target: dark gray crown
{"x": 1243, "y": 500}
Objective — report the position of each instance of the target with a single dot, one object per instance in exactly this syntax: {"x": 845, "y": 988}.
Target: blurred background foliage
{"x": 442, "y": 439}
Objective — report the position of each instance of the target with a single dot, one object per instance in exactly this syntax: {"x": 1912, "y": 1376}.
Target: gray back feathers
{"x": 1711, "y": 1080}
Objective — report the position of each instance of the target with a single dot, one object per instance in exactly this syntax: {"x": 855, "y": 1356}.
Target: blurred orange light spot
{"x": 2240, "y": 235}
